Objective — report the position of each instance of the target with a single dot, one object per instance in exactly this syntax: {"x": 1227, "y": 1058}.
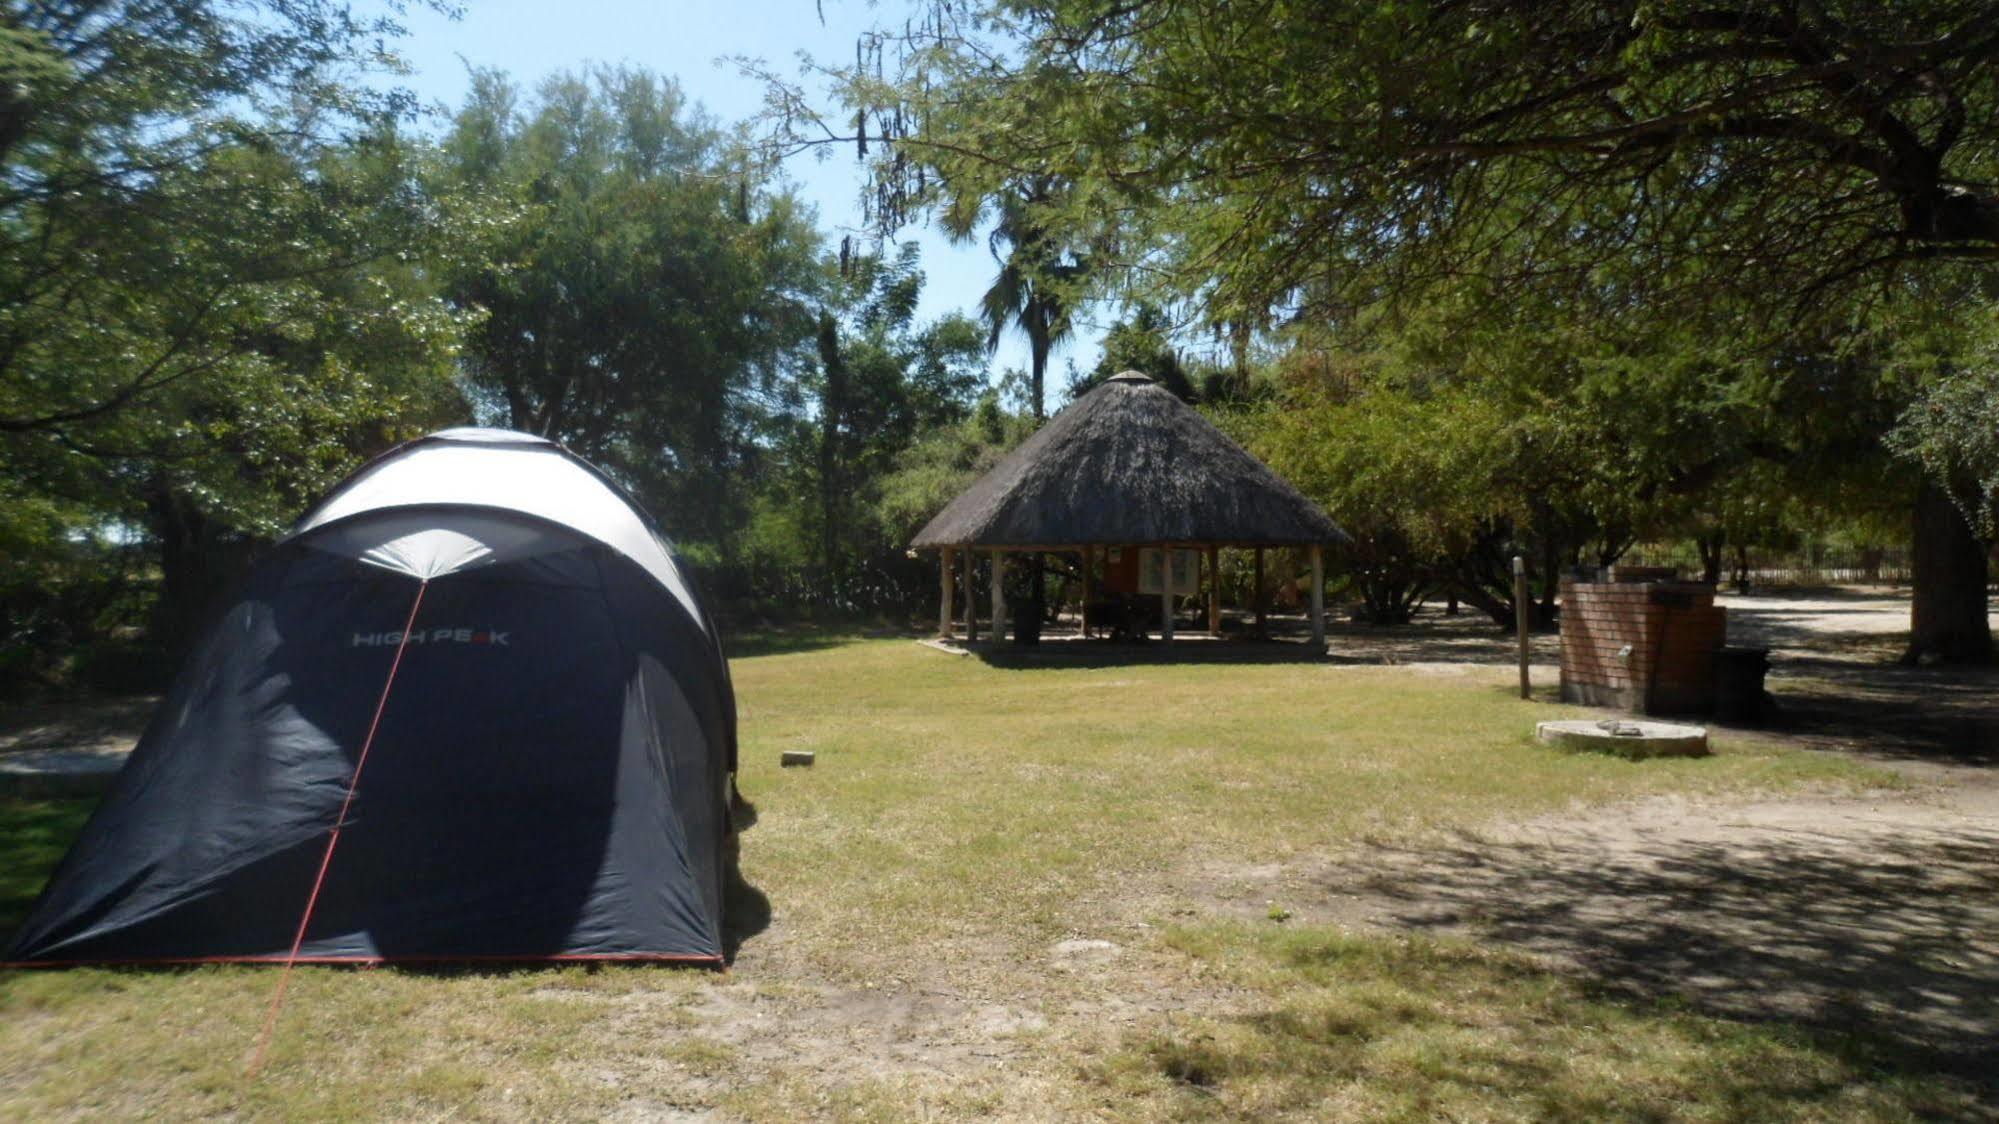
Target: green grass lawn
{"x": 961, "y": 823}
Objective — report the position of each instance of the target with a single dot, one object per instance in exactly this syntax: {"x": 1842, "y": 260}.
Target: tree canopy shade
{"x": 1129, "y": 463}
{"x": 1310, "y": 155}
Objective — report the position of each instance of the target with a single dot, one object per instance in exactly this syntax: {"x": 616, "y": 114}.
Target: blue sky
{"x": 532, "y": 38}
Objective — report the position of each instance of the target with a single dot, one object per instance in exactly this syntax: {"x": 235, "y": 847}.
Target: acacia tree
{"x": 1770, "y": 170}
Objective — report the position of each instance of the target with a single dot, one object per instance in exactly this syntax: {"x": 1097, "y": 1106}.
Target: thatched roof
{"x": 1129, "y": 463}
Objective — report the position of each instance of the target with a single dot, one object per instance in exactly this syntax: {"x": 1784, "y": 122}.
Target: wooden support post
{"x": 1262, "y": 602}
{"x": 999, "y": 597}
{"x": 1520, "y": 608}
{"x": 971, "y": 569}
{"x": 944, "y": 594}
{"x": 1087, "y": 551}
{"x": 1165, "y": 596}
{"x": 1318, "y": 598}
{"x": 1214, "y": 592}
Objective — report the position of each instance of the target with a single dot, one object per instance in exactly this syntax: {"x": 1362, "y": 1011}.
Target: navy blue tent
{"x": 483, "y": 653}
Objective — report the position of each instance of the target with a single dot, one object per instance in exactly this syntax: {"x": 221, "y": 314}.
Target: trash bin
{"x": 1738, "y": 684}
{"x": 1027, "y": 623}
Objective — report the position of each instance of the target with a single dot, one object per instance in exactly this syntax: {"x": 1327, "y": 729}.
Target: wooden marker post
{"x": 1318, "y": 598}
{"x": 1520, "y": 607}
{"x": 945, "y": 594}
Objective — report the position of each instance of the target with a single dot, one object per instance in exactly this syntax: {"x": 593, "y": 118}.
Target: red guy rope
{"x": 333, "y": 839}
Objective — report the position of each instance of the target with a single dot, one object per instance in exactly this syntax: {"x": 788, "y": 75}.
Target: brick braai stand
{"x": 1647, "y": 647}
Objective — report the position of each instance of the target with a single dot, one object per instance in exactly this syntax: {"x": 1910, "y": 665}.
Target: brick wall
{"x": 1671, "y": 631}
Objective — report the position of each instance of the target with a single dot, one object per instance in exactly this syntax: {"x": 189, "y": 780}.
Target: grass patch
{"x": 1411, "y": 1029}
{"x": 33, "y": 836}
{"x": 960, "y": 820}
{"x": 952, "y": 798}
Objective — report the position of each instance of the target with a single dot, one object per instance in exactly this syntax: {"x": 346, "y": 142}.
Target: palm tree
{"x": 1032, "y": 290}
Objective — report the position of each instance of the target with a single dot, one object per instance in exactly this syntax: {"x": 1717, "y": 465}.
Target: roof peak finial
{"x": 1130, "y": 376}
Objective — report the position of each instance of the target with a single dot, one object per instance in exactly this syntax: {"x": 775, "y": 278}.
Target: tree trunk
{"x": 1038, "y": 345}
{"x": 1711, "y": 556}
{"x": 1947, "y": 621}
{"x": 199, "y": 561}
{"x": 832, "y": 407}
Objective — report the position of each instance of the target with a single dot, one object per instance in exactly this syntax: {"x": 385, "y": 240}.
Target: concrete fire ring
{"x": 1625, "y": 737}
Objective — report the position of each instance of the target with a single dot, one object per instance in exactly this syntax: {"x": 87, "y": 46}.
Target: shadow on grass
{"x": 782, "y": 642}
{"x": 1892, "y": 934}
{"x": 1419, "y": 1029}
{"x": 1890, "y": 711}
{"x": 745, "y": 909}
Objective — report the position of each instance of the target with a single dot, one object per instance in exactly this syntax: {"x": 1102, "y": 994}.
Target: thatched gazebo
{"x": 1127, "y": 469}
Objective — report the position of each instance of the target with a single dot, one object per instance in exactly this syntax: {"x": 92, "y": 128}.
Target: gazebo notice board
{"x": 1127, "y": 468}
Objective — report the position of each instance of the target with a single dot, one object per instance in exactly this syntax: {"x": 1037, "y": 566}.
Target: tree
{"x": 1143, "y": 343}
{"x": 209, "y": 305}
{"x": 1765, "y": 171}
{"x": 159, "y": 170}
{"x": 1949, "y": 433}
{"x": 1258, "y": 156}
{"x": 648, "y": 295}
{"x": 881, "y": 381}
{"x": 1036, "y": 289}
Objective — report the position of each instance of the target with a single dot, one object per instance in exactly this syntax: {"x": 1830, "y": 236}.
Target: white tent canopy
{"x": 489, "y": 468}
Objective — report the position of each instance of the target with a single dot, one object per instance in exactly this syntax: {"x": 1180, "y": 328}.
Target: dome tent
{"x": 477, "y": 668}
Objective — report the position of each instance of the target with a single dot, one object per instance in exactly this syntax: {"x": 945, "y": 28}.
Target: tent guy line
{"x": 333, "y": 837}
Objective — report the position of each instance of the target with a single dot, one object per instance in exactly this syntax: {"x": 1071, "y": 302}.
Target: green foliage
{"x": 944, "y": 462}
{"x": 882, "y": 379}
{"x": 212, "y": 289}
{"x": 647, "y": 294}
{"x": 1949, "y": 430}
{"x": 1289, "y": 156}
{"x": 1453, "y": 448}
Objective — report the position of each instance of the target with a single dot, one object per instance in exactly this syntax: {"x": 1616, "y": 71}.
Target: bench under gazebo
{"x": 1135, "y": 482}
